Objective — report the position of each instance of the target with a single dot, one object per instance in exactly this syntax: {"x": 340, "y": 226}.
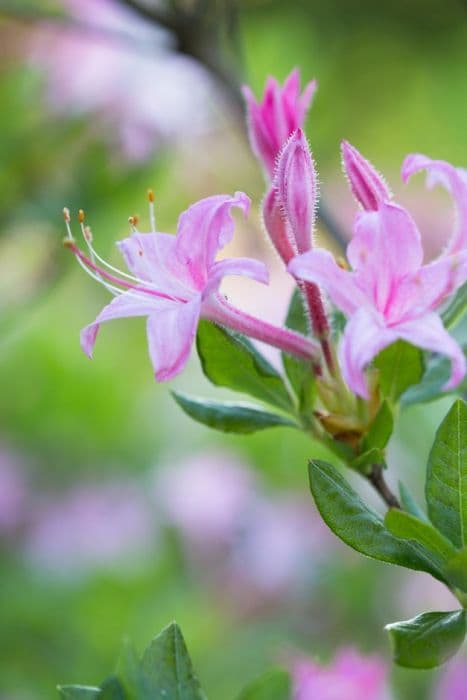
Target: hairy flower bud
{"x": 367, "y": 185}
{"x": 277, "y": 227}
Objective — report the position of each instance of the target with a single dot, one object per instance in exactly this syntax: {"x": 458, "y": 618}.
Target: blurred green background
{"x": 392, "y": 80}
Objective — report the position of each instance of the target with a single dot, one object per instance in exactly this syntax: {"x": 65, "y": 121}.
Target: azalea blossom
{"x": 350, "y": 676}
{"x": 273, "y": 120}
{"x": 174, "y": 281}
{"x": 389, "y": 294}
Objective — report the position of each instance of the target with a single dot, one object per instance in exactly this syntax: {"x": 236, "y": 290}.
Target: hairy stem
{"x": 376, "y": 478}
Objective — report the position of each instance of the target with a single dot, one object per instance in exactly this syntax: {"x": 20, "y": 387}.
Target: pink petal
{"x": 152, "y": 257}
{"x": 385, "y": 248}
{"x": 260, "y": 139}
{"x": 296, "y": 184}
{"x": 244, "y": 267}
{"x": 171, "y": 333}
{"x": 277, "y": 226}
{"x": 454, "y": 180}
{"x": 429, "y": 333}
{"x": 429, "y": 287}
{"x": 364, "y": 337}
{"x": 367, "y": 185}
{"x": 203, "y": 229}
{"x": 320, "y": 267}
{"x": 123, "y": 306}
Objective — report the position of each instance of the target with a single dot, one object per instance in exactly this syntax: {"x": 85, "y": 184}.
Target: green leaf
{"x": 400, "y": 366}
{"x": 129, "y": 675}
{"x": 381, "y": 428}
{"x": 299, "y": 372}
{"x": 273, "y": 685}
{"x": 168, "y": 669}
{"x": 358, "y": 525}
{"x": 409, "y": 504}
{"x": 231, "y": 360}
{"x": 77, "y": 692}
{"x": 427, "y": 640}
{"x": 229, "y": 417}
{"x": 446, "y": 483}
{"x": 408, "y": 527}
{"x": 112, "y": 689}
{"x": 364, "y": 462}
{"x": 456, "y": 307}
{"x": 456, "y": 570}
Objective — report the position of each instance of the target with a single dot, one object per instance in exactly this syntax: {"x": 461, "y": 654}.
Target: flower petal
{"x": 429, "y": 333}
{"x": 385, "y": 248}
{"x": 123, "y": 306}
{"x": 203, "y": 229}
{"x": 367, "y": 185}
{"x": 364, "y": 337}
{"x": 244, "y": 267}
{"x": 171, "y": 333}
{"x": 454, "y": 180}
{"x": 152, "y": 257}
{"x": 320, "y": 267}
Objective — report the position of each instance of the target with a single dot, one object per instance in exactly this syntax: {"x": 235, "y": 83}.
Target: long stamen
{"x": 152, "y": 211}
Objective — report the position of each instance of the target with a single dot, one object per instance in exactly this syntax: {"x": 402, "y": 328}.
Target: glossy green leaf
{"x": 78, "y": 692}
{"x": 427, "y": 640}
{"x": 112, "y": 689}
{"x": 231, "y": 360}
{"x": 168, "y": 669}
{"x": 229, "y": 417}
{"x": 358, "y": 525}
{"x": 409, "y": 504}
{"x": 456, "y": 570}
{"x": 400, "y": 366}
{"x": 408, "y": 527}
{"x": 380, "y": 429}
{"x": 446, "y": 483}
{"x": 273, "y": 685}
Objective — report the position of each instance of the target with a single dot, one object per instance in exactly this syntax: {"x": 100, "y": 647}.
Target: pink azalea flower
{"x": 389, "y": 294}
{"x": 452, "y": 684}
{"x": 280, "y": 113}
{"x": 351, "y": 676}
{"x": 174, "y": 282}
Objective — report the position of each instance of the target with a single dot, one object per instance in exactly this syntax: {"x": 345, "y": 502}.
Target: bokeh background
{"x": 118, "y": 514}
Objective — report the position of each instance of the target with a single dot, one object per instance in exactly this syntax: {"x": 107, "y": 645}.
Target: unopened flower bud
{"x": 367, "y": 185}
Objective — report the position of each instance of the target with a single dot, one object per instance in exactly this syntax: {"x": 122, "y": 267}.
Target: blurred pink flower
{"x": 14, "y": 493}
{"x": 206, "y": 497}
{"x": 350, "y": 676}
{"x": 92, "y": 526}
{"x": 114, "y": 63}
{"x": 452, "y": 684}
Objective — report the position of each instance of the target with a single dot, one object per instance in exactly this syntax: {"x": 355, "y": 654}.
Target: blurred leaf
{"x": 77, "y": 692}
{"x": 273, "y": 685}
{"x": 168, "y": 669}
{"x": 446, "y": 482}
{"x": 299, "y": 372}
{"x": 229, "y": 417}
{"x": 232, "y": 361}
{"x": 427, "y": 640}
{"x": 456, "y": 307}
{"x": 400, "y": 366}
{"x": 358, "y": 526}
{"x": 408, "y": 527}
{"x": 130, "y": 675}
{"x": 409, "y": 504}
{"x": 112, "y": 689}
{"x": 456, "y": 570}
{"x": 381, "y": 428}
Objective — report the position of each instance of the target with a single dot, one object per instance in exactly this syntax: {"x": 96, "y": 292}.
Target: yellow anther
{"x": 151, "y": 196}
{"x": 81, "y": 216}
{"x": 133, "y": 220}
